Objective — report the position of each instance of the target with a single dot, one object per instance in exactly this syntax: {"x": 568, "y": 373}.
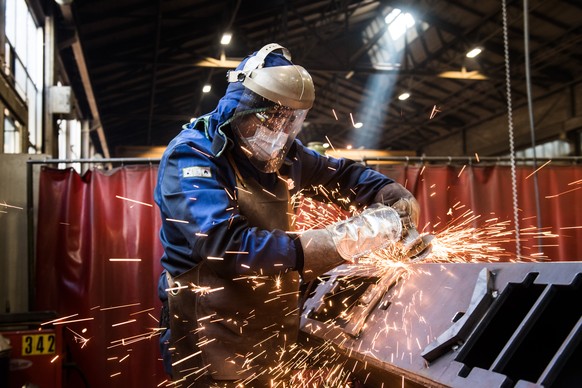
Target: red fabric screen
{"x": 82, "y": 224}
{"x": 487, "y": 191}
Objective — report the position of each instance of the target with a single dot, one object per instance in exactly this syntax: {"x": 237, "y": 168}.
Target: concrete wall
{"x": 14, "y": 232}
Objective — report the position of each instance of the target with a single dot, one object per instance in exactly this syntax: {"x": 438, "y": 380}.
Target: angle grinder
{"x": 415, "y": 247}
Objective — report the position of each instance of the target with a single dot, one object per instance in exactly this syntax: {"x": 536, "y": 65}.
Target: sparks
{"x": 434, "y": 112}
{"x": 538, "y": 169}
{"x": 174, "y": 220}
{"x": 134, "y": 201}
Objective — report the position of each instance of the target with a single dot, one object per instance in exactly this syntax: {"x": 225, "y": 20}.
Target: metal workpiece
{"x": 454, "y": 325}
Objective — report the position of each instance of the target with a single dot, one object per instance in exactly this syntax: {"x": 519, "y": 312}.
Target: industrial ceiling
{"x": 147, "y": 61}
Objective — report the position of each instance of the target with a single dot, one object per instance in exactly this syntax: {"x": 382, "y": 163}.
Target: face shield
{"x": 277, "y": 95}
{"x": 265, "y": 130}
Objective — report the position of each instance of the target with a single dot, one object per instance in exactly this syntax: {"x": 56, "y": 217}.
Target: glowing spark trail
{"x": 79, "y": 338}
{"x": 134, "y": 201}
{"x": 562, "y": 193}
{"x": 59, "y": 319}
{"x": 120, "y": 306}
{"x": 329, "y": 142}
{"x": 174, "y": 220}
{"x": 72, "y": 321}
{"x": 10, "y": 206}
{"x": 538, "y": 169}
{"x": 434, "y": 112}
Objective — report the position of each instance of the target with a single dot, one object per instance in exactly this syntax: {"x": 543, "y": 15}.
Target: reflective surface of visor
{"x": 265, "y": 130}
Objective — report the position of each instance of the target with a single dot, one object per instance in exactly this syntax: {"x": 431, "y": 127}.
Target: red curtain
{"x": 447, "y": 192}
{"x": 97, "y": 260}
{"x": 86, "y": 223}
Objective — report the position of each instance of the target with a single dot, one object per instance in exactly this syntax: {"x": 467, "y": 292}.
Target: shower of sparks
{"x": 79, "y": 338}
{"x": 134, "y": 201}
{"x": 322, "y": 365}
{"x": 459, "y": 241}
{"x": 477, "y": 157}
{"x": 334, "y": 114}
{"x": 539, "y": 168}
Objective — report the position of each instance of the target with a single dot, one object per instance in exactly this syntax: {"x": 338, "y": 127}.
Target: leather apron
{"x": 238, "y": 330}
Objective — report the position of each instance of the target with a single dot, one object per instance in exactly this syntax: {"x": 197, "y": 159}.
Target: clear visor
{"x": 265, "y": 130}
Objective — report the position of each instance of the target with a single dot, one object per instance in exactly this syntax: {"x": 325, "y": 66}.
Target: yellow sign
{"x": 38, "y": 344}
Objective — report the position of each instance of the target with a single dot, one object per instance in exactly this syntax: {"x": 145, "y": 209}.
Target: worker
{"x": 232, "y": 271}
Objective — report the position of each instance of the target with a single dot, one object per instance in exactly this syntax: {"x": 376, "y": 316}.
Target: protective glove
{"x": 402, "y": 200}
{"x": 373, "y": 229}
{"x": 347, "y": 240}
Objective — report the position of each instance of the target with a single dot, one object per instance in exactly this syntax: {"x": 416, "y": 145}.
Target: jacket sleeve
{"x": 345, "y": 182}
{"x": 196, "y": 194}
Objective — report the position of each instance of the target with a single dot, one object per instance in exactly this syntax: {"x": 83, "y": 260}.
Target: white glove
{"x": 373, "y": 229}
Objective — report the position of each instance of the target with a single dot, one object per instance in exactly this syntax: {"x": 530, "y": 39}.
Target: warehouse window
{"x": 387, "y": 51}
{"x": 23, "y": 64}
{"x": 398, "y": 22}
{"x": 12, "y": 137}
{"x": 69, "y": 139}
{"x": 552, "y": 149}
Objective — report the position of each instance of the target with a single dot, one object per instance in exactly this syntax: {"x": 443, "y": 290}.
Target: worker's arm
{"x": 345, "y": 181}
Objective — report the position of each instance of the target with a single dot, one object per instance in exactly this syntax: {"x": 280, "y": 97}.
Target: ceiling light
{"x": 404, "y": 96}
{"x": 206, "y": 88}
{"x": 473, "y": 53}
{"x": 349, "y": 147}
{"x": 463, "y": 74}
{"x": 226, "y": 37}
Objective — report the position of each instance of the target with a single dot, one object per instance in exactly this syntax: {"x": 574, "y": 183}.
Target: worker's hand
{"x": 373, "y": 229}
{"x": 347, "y": 240}
{"x": 402, "y": 200}
{"x": 319, "y": 254}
